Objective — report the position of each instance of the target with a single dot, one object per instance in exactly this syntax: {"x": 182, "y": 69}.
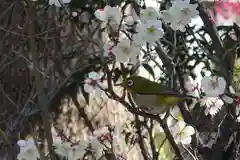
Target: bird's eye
{"x": 130, "y": 83}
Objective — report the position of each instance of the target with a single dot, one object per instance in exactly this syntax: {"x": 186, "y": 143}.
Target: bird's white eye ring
{"x": 130, "y": 82}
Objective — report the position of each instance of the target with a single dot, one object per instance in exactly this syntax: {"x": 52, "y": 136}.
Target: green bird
{"x": 151, "y": 96}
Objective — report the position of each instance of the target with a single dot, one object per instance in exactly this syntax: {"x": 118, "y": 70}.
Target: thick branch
{"x": 42, "y": 99}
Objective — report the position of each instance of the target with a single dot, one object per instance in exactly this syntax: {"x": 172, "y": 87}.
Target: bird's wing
{"x": 150, "y": 103}
{"x": 146, "y": 100}
{"x": 170, "y": 93}
{"x": 167, "y": 93}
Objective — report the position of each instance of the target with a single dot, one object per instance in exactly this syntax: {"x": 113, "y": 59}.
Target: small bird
{"x": 150, "y": 96}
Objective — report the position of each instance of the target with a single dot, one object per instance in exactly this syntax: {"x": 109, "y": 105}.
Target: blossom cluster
{"x": 133, "y": 31}
{"x": 96, "y": 144}
{"x": 126, "y": 47}
{"x": 128, "y": 34}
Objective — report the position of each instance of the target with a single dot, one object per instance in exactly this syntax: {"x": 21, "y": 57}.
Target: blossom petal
{"x": 21, "y": 143}
{"x": 99, "y": 14}
{"x": 189, "y": 130}
{"x": 181, "y": 125}
{"x": 166, "y": 16}
{"x": 94, "y": 75}
{"x": 78, "y": 152}
{"x": 88, "y": 88}
{"x": 97, "y": 92}
{"x": 186, "y": 140}
{"x": 149, "y": 13}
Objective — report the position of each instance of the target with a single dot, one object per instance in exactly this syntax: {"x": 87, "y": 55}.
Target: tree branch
{"x": 42, "y": 99}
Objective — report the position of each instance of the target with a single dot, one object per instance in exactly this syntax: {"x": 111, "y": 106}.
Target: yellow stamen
{"x": 151, "y": 29}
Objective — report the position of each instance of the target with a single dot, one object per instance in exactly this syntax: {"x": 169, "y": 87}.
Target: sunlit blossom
{"x": 149, "y": 13}
{"x": 109, "y": 15}
{"x": 153, "y": 31}
{"x": 182, "y": 132}
{"x": 180, "y": 14}
{"x": 125, "y": 50}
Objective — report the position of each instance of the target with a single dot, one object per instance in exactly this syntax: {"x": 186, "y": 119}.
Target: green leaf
{"x": 3, "y": 135}
{"x": 149, "y": 69}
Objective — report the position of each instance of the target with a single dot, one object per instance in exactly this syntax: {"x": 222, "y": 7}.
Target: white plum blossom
{"x": 99, "y": 136}
{"x": 126, "y": 50}
{"x": 65, "y": 149}
{"x": 57, "y": 2}
{"x": 128, "y": 21}
{"x": 21, "y": 143}
{"x": 169, "y": 16}
{"x": 213, "y": 105}
{"x": 187, "y": 10}
{"x": 28, "y": 150}
{"x": 96, "y": 146}
{"x": 152, "y": 31}
{"x": 173, "y": 118}
{"x": 178, "y": 26}
{"x": 176, "y": 113}
{"x": 149, "y": 13}
{"x": 213, "y": 86}
{"x": 104, "y": 132}
{"x": 93, "y": 84}
{"x": 138, "y": 38}
{"x": 77, "y": 151}
{"x": 192, "y": 86}
{"x": 109, "y": 15}
{"x": 182, "y": 132}
{"x": 129, "y": 11}
{"x": 180, "y": 14}
{"x": 130, "y": 17}
{"x": 61, "y": 148}
{"x": 101, "y": 131}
